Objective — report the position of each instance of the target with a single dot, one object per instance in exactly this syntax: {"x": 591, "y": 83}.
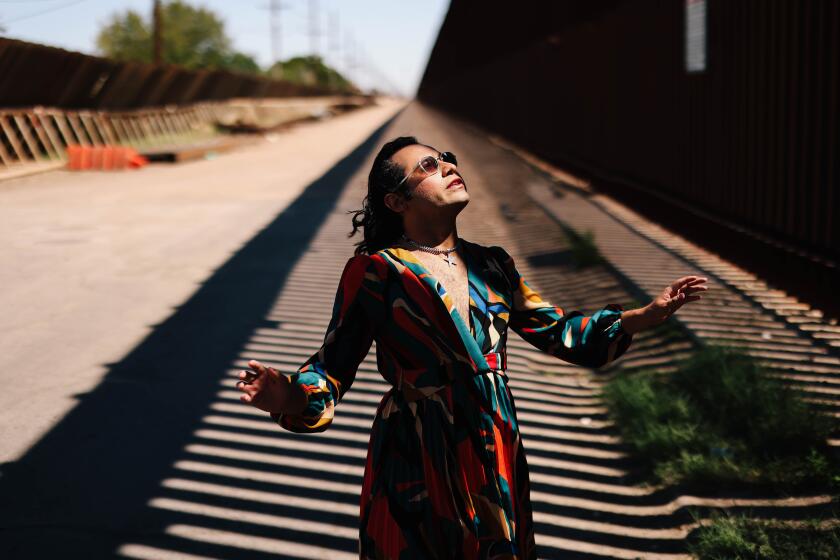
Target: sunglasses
{"x": 431, "y": 164}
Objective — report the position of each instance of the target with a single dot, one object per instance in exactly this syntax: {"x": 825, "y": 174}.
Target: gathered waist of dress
{"x": 417, "y": 384}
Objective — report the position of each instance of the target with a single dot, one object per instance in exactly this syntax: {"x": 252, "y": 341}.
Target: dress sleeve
{"x": 327, "y": 375}
{"x": 589, "y": 341}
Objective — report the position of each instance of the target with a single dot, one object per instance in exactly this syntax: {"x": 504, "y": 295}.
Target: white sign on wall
{"x": 695, "y": 35}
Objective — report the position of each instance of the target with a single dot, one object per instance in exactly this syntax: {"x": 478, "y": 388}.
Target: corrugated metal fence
{"x": 33, "y": 74}
{"x": 751, "y": 142}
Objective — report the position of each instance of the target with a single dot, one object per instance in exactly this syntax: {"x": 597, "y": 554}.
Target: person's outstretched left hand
{"x": 678, "y": 293}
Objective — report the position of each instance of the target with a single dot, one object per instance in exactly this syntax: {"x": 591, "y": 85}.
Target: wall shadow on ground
{"x": 84, "y": 487}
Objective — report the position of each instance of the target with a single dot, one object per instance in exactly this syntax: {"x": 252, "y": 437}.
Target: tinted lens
{"x": 429, "y": 164}
{"x": 449, "y": 157}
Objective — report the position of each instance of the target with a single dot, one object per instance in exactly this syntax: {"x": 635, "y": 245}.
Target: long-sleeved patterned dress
{"x": 446, "y": 475}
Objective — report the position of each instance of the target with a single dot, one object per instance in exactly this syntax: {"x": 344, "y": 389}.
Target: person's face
{"x": 431, "y": 194}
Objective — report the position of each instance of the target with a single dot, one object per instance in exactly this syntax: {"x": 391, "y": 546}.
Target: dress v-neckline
{"x": 468, "y": 322}
{"x": 465, "y": 330}
{"x": 440, "y": 289}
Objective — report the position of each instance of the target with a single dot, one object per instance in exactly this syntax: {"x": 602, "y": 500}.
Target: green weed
{"x": 585, "y": 252}
{"x": 720, "y": 421}
{"x": 738, "y": 538}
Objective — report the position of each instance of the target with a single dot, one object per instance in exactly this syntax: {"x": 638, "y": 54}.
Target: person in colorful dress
{"x": 446, "y": 475}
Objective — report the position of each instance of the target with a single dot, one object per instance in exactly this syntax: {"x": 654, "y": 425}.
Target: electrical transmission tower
{"x": 275, "y": 26}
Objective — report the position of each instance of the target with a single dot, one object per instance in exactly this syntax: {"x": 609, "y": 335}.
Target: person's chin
{"x": 460, "y": 204}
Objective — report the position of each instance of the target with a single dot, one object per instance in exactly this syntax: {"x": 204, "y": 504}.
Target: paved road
{"x": 157, "y": 459}
{"x": 91, "y": 262}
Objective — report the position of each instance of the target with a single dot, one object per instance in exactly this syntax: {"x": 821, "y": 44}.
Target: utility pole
{"x": 157, "y": 40}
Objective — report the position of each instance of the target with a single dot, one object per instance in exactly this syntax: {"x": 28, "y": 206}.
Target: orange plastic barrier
{"x": 82, "y": 158}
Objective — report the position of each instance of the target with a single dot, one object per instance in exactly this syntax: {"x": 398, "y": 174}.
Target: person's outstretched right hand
{"x": 265, "y": 388}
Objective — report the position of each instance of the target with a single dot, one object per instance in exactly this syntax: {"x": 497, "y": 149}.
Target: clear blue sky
{"x": 395, "y": 36}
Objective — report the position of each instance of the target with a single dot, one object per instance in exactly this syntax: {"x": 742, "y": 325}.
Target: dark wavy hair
{"x": 380, "y": 225}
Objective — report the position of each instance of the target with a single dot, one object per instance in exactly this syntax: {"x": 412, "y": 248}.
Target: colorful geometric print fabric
{"x": 446, "y": 474}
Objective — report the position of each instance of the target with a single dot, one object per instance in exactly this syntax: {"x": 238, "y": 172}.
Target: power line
{"x": 43, "y": 12}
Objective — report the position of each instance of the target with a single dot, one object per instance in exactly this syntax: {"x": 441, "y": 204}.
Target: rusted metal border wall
{"x": 32, "y": 74}
{"x": 752, "y": 140}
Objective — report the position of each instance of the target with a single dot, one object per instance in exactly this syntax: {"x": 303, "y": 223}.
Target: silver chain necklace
{"x": 447, "y": 258}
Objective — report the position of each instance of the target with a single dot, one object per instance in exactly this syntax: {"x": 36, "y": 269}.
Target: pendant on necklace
{"x": 448, "y": 258}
